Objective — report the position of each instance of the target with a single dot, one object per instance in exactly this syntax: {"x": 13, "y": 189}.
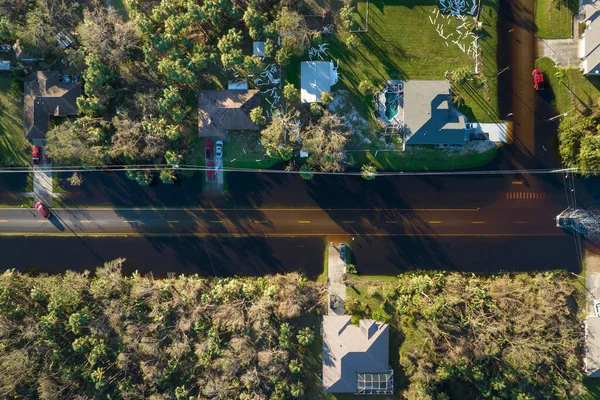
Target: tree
{"x": 291, "y": 26}
{"x": 75, "y": 179}
{"x": 347, "y": 16}
{"x": 280, "y": 136}
{"x": 368, "y": 172}
{"x": 291, "y": 94}
{"x": 326, "y": 98}
{"x": 316, "y": 109}
{"x": 75, "y": 143}
{"x": 352, "y": 42}
{"x": 229, "y": 46}
{"x": 255, "y": 21}
{"x": 254, "y": 65}
{"x": 257, "y": 116}
{"x": 325, "y": 142}
{"x": 366, "y": 88}
{"x": 307, "y": 172}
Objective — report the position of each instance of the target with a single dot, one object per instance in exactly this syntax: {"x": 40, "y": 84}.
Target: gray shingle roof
{"x": 45, "y": 96}
{"x": 222, "y": 110}
{"x": 349, "y": 350}
{"x": 429, "y": 116}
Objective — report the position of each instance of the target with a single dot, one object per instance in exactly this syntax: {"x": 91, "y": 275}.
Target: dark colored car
{"x": 210, "y": 172}
{"x": 35, "y": 155}
{"x": 209, "y": 149}
{"x": 343, "y": 251}
{"x": 538, "y": 79}
{"x": 45, "y": 158}
{"x": 46, "y": 213}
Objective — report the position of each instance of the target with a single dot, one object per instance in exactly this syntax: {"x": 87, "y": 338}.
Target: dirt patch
{"x": 592, "y": 262}
{"x": 342, "y": 106}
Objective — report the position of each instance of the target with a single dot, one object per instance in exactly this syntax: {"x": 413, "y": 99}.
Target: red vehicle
{"x": 45, "y": 158}
{"x": 46, "y": 213}
{"x": 35, "y": 155}
{"x": 538, "y": 79}
{"x": 210, "y": 172}
{"x": 209, "y": 149}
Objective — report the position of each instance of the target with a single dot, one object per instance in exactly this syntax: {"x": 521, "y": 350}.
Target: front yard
{"x": 553, "y": 18}
{"x": 575, "y": 90}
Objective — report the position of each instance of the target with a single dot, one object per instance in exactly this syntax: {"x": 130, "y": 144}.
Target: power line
{"x": 160, "y": 167}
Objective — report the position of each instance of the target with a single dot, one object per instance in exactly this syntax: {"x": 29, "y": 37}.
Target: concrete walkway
{"x": 564, "y": 52}
{"x": 336, "y": 268}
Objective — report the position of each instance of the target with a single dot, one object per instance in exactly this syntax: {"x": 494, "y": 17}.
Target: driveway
{"x": 563, "y": 52}
{"x": 42, "y": 178}
{"x": 336, "y": 268}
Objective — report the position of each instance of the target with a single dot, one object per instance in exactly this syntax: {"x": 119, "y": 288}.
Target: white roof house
{"x": 4, "y": 65}
{"x": 589, "y": 46}
{"x": 316, "y": 77}
{"x": 356, "y": 358}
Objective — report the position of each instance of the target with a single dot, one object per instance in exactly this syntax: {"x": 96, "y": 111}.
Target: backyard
{"x": 553, "y": 18}
{"x": 402, "y": 42}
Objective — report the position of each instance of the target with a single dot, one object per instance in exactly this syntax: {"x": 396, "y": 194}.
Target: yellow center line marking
{"x": 391, "y": 222}
{"x": 172, "y": 222}
{"x": 304, "y": 222}
{"x": 517, "y": 182}
{"x": 260, "y": 222}
{"x": 435, "y": 222}
{"x": 520, "y": 222}
{"x": 347, "y": 222}
{"x": 128, "y": 221}
{"x": 3, "y": 220}
{"x": 217, "y": 222}
{"x": 478, "y": 222}
{"x": 85, "y": 220}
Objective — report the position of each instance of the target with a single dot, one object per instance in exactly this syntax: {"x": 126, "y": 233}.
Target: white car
{"x": 219, "y": 149}
{"x": 597, "y": 308}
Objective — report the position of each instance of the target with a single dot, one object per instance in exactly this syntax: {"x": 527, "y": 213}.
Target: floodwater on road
{"x": 210, "y": 256}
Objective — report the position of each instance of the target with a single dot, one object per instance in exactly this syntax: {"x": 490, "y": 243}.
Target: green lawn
{"x": 425, "y": 158}
{"x": 121, "y": 7}
{"x": 14, "y": 149}
{"x": 402, "y": 43}
{"x": 243, "y": 150}
{"x": 576, "y": 90}
{"x": 553, "y": 18}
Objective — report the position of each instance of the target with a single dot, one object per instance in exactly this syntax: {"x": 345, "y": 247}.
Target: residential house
{"x": 430, "y": 116}
{"x": 46, "y": 97}
{"x": 220, "y": 111}
{"x": 589, "y": 45}
{"x": 316, "y": 77}
{"x": 356, "y": 358}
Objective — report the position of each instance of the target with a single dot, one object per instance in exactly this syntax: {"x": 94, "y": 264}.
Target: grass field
{"x": 418, "y": 158}
{"x": 14, "y": 149}
{"x": 243, "y": 150}
{"x": 574, "y": 91}
{"x": 553, "y": 18}
{"x": 402, "y": 43}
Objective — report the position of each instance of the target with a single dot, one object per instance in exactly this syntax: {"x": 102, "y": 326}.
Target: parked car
{"x": 538, "y": 79}
{"x": 219, "y": 148}
{"x": 45, "y": 211}
{"x": 210, "y": 172}
{"x": 343, "y": 251}
{"x": 45, "y": 158}
{"x": 209, "y": 149}
{"x": 35, "y": 155}
{"x": 597, "y": 308}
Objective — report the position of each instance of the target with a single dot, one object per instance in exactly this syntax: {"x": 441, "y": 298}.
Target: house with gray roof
{"x": 356, "y": 358}
{"x": 430, "y": 116}
{"x": 221, "y": 111}
{"x": 589, "y": 46}
{"x": 46, "y": 97}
